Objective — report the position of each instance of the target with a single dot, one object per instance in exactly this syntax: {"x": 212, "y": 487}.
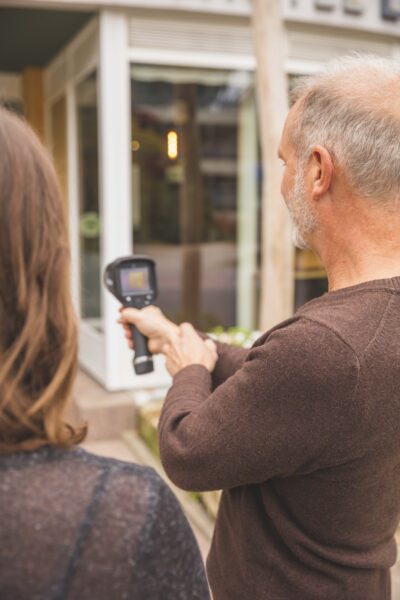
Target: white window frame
{"x": 105, "y": 354}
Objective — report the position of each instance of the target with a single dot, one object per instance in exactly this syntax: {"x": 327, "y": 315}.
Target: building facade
{"x": 150, "y": 111}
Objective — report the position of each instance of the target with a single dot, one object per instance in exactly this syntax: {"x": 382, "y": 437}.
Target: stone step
{"x": 107, "y": 414}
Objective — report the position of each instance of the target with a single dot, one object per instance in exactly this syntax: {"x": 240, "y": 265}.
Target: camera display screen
{"x": 135, "y": 280}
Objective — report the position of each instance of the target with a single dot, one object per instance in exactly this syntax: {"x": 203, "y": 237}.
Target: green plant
{"x": 236, "y": 336}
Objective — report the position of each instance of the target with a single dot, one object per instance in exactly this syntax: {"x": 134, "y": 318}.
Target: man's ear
{"x": 320, "y": 172}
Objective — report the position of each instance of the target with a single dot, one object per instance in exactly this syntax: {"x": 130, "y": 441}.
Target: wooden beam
{"x": 33, "y": 94}
{"x": 277, "y": 267}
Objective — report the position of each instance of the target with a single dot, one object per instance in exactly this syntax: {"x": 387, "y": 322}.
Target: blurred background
{"x": 163, "y": 118}
{"x": 152, "y": 113}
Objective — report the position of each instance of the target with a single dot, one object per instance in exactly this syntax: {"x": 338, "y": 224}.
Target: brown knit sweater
{"x": 302, "y": 433}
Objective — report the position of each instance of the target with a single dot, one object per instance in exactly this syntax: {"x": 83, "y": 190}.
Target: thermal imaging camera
{"x": 132, "y": 280}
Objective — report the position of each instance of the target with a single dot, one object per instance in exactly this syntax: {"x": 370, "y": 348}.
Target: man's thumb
{"x": 130, "y": 315}
{"x": 210, "y": 344}
{"x": 187, "y": 329}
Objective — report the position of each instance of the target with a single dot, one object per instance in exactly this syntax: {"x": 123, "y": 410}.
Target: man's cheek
{"x": 285, "y": 185}
{"x": 283, "y": 188}
{"x": 285, "y": 192}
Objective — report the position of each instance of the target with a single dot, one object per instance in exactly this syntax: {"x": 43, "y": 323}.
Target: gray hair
{"x": 352, "y": 108}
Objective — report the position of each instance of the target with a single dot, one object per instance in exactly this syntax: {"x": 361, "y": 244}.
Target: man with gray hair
{"x": 302, "y": 432}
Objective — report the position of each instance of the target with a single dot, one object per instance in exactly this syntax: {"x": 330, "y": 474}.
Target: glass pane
{"x": 194, "y": 165}
{"x": 89, "y": 225}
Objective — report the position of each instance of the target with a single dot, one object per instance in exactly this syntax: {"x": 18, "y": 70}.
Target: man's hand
{"x": 152, "y": 323}
{"x": 187, "y": 348}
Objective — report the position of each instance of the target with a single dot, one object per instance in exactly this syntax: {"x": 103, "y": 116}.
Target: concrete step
{"x": 107, "y": 414}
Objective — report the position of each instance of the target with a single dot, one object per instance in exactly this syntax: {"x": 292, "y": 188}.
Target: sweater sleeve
{"x": 230, "y": 359}
{"x": 287, "y": 410}
{"x": 169, "y": 565}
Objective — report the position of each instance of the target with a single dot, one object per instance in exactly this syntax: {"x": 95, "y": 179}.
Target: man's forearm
{"x": 230, "y": 359}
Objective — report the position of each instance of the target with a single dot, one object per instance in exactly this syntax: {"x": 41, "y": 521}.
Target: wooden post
{"x": 33, "y": 92}
{"x": 277, "y": 275}
{"x": 191, "y": 208}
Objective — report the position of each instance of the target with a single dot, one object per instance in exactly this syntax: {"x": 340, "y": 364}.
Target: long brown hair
{"x": 38, "y": 336}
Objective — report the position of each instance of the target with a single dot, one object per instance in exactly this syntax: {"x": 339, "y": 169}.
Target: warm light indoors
{"x": 135, "y": 145}
{"x": 172, "y": 145}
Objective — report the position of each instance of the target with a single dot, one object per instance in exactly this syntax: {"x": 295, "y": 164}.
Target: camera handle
{"x": 143, "y": 359}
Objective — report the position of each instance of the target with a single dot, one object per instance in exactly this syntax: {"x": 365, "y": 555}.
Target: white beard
{"x": 303, "y": 220}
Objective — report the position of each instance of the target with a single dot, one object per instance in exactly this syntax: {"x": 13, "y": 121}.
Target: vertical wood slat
{"x": 33, "y": 93}
{"x": 277, "y": 281}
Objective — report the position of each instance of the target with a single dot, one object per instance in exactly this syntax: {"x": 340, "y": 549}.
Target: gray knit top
{"x": 79, "y": 527}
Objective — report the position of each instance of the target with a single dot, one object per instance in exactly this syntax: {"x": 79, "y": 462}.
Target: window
{"x": 89, "y": 223}
{"x": 195, "y": 190}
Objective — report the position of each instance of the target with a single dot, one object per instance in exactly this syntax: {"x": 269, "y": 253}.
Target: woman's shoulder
{"x": 123, "y": 477}
{"x": 83, "y": 470}
{"x": 83, "y": 456}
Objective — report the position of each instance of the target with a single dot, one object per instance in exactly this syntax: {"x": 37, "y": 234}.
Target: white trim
{"x": 146, "y": 56}
{"x": 73, "y": 195}
{"x": 233, "y": 7}
{"x": 191, "y": 59}
{"x": 91, "y": 28}
{"x": 65, "y": 66}
{"x": 51, "y": 99}
{"x": 92, "y": 355}
{"x": 55, "y": 65}
{"x": 90, "y": 66}
{"x": 174, "y": 74}
{"x": 247, "y": 206}
{"x": 115, "y": 182}
{"x": 298, "y": 66}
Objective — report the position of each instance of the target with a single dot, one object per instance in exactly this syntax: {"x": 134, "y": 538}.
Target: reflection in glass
{"x": 195, "y": 191}
{"x": 89, "y": 223}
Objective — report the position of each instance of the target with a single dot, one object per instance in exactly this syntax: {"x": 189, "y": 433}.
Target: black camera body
{"x": 132, "y": 280}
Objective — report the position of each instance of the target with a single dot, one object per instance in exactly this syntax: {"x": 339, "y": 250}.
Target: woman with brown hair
{"x": 72, "y": 525}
